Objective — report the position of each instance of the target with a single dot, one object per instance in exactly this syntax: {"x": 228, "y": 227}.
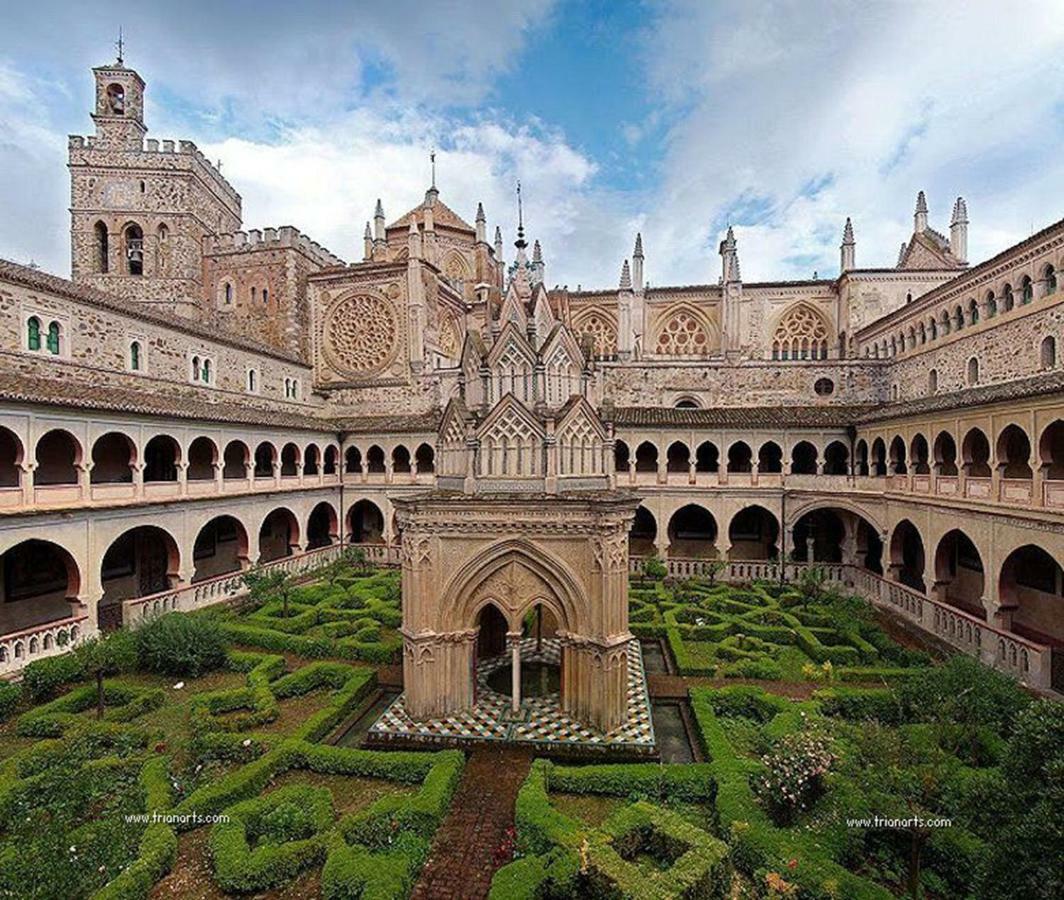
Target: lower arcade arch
{"x": 754, "y": 534}
{"x": 907, "y": 557}
{"x": 692, "y": 533}
{"x": 1031, "y": 595}
{"x": 139, "y": 562}
{"x": 365, "y": 523}
{"x": 643, "y": 533}
{"x": 221, "y": 547}
{"x": 818, "y": 537}
{"x": 278, "y": 535}
{"x": 322, "y": 526}
{"x": 39, "y": 582}
{"x": 959, "y": 578}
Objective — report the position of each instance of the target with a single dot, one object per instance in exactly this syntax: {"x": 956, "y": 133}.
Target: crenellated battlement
{"x": 255, "y": 239}
{"x": 155, "y": 147}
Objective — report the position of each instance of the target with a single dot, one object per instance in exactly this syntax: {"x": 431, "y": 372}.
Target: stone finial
{"x": 480, "y": 213}
{"x": 848, "y": 248}
{"x": 498, "y": 235}
{"x": 368, "y": 233}
{"x": 537, "y": 252}
{"x": 626, "y": 277}
{"x": 847, "y": 232}
{"x": 379, "y": 212}
{"x": 920, "y": 216}
{"x": 638, "y": 252}
{"x": 958, "y": 231}
{"x": 901, "y": 253}
{"x": 960, "y": 212}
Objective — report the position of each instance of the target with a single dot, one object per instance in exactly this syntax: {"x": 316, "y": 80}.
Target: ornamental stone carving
{"x": 361, "y": 334}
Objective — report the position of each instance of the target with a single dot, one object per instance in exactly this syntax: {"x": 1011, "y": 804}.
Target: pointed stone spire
{"x": 433, "y": 192}
{"x": 920, "y": 216}
{"x": 498, "y": 244}
{"x": 626, "y": 277}
{"x": 848, "y": 248}
{"x": 901, "y": 254}
{"x": 378, "y": 221}
{"x": 367, "y": 242}
{"x": 637, "y": 264}
{"x": 538, "y": 267}
{"x": 958, "y": 231}
{"x": 730, "y": 257}
{"x": 482, "y": 224}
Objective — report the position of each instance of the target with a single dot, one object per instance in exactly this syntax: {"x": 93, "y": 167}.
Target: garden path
{"x": 476, "y": 837}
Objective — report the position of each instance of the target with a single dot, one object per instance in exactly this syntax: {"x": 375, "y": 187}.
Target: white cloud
{"x": 882, "y": 99}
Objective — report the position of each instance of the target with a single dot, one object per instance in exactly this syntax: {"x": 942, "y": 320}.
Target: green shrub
{"x": 10, "y": 695}
{"x": 181, "y": 644}
{"x": 42, "y": 679}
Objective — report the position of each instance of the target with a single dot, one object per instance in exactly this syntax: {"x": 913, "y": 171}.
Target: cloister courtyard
{"x": 781, "y": 718}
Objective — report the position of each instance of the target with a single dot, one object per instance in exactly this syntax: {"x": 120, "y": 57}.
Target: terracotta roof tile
{"x": 442, "y": 214}
{"x": 67, "y": 393}
{"x": 738, "y": 416}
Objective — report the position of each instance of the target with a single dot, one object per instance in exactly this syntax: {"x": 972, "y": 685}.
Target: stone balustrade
{"x": 20, "y": 648}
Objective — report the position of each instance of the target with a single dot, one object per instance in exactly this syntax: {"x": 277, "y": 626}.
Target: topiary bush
{"x": 42, "y": 679}
{"x": 181, "y": 644}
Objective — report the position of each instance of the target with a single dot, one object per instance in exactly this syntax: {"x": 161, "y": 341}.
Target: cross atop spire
{"x": 120, "y": 45}
{"x": 432, "y": 161}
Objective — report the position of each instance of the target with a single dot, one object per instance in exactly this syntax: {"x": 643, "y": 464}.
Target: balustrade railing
{"x": 20, "y": 648}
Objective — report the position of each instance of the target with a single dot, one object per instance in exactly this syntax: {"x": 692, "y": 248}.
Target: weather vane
{"x": 120, "y": 44}
{"x": 432, "y": 159}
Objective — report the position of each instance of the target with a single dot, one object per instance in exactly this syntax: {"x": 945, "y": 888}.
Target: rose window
{"x": 361, "y": 333}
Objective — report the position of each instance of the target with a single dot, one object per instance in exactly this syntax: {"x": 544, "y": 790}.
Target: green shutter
{"x": 33, "y": 333}
{"x": 53, "y": 338}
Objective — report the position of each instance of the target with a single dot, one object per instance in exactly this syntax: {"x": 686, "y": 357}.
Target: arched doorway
{"x": 643, "y": 533}
{"x": 754, "y": 534}
{"x": 692, "y": 533}
{"x": 278, "y": 535}
{"x": 40, "y": 582}
{"x": 221, "y": 547}
{"x": 142, "y": 561}
{"x": 1031, "y": 592}
{"x": 959, "y": 579}
{"x": 907, "y": 558}
{"x": 365, "y": 523}
{"x": 491, "y": 632}
{"x": 321, "y": 526}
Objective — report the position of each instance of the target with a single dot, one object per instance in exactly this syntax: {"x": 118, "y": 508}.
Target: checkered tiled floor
{"x": 541, "y": 719}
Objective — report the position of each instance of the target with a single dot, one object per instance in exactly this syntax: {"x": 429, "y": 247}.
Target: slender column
{"x": 138, "y": 479}
{"x": 28, "y": 468}
{"x": 299, "y": 470}
{"x": 219, "y": 477}
{"x": 85, "y": 480}
{"x": 515, "y": 657}
{"x": 182, "y": 478}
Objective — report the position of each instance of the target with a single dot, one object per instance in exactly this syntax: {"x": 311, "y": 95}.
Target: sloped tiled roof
{"x": 36, "y": 280}
{"x": 401, "y": 423}
{"x": 442, "y": 214}
{"x": 1036, "y": 385}
{"x": 110, "y": 398}
{"x": 738, "y": 416}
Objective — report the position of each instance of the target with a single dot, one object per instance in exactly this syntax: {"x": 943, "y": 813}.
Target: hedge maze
{"x": 243, "y": 743}
{"x": 348, "y": 617}
{"x": 766, "y": 631}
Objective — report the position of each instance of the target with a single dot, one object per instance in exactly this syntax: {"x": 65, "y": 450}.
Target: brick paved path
{"x": 466, "y": 850}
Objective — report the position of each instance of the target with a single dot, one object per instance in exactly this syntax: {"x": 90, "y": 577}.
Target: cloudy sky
{"x": 673, "y": 118}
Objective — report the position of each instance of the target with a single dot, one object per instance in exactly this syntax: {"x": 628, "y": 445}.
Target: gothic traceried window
{"x": 683, "y": 335}
{"x": 801, "y": 333}
{"x": 602, "y": 331}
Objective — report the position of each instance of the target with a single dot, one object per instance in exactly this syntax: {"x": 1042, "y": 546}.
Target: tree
{"x": 654, "y": 568}
{"x": 356, "y": 558}
{"x": 106, "y": 655}
{"x": 714, "y": 568}
{"x": 266, "y": 584}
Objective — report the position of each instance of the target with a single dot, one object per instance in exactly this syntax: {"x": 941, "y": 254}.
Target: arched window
{"x": 100, "y": 233}
{"x": 973, "y": 312}
{"x": 1049, "y": 352}
{"x": 932, "y": 381}
{"x": 33, "y": 333}
{"x": 134, "y": 356}
{"x": 1007, "y": 299}
{"x": 195, "y": 368}
{"x": 252, "y": 381}
{"x": 1050, "y": 279}
{"x": 53, "y": 338}
{"x": 991, "y": 305}
{"x": 1026, "y": 290}
{"x": 227, "y": 293}
{"x": 254, "y": 293}
{"x": 116, "y": 99}
{"x": 206, "y": 371}
{"x": 973, "y": 371}
{"x": 265, "y": 296}
{"x": 134, "y": 249}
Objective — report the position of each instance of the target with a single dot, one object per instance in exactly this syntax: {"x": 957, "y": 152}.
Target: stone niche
{"x": 567, "y": 554}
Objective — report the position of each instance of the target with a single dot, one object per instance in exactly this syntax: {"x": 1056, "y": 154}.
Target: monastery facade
{"x": 197, "y": 399}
